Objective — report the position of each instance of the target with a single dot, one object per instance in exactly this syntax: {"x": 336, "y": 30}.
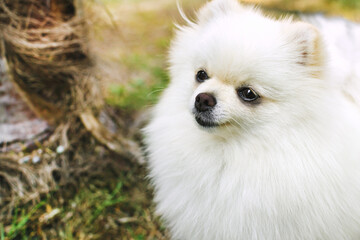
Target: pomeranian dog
{"x": 258, "y": 134}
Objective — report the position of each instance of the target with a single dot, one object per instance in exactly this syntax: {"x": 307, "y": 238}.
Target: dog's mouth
{"x": 205, "y": 119}
{"x": 205, "y": 122}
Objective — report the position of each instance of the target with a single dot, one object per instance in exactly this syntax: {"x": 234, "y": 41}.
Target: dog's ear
{"x": 217, "y": 7}
{"x": 308, "y": 43}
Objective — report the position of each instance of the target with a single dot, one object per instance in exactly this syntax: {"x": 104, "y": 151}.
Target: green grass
{"x": 139, "y": 92}
{"x": 349, "y": 3}
{"x": 109, "y": 208}
{"x": 20, "y": 223}
{"x": 111, "y": 199}
{"x": 2, "y": 232}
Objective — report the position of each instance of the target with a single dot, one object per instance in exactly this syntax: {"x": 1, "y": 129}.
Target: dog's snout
{"x": 204, "y": 102}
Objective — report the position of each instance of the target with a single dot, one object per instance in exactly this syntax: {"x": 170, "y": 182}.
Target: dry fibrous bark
{"x": 47, "y": 54}
{"x": 45, "y": 47}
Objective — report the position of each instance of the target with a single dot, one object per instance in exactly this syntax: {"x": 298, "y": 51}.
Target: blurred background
{"x": 127, "y": 41}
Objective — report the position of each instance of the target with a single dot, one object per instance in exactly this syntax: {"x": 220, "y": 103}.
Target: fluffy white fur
{"x": 287, "y": 168}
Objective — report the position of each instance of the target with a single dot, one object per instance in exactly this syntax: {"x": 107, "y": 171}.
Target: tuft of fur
{"x": 286, "y": 167}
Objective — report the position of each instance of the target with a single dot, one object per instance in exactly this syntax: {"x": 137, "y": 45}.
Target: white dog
{"x": 258, "y": 134}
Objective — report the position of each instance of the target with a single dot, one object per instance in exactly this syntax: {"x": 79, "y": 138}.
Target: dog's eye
{"x": 247, "y": 94}
{"x": 201, "y": 76}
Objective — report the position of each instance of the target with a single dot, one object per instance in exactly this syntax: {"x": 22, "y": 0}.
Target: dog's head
{"x": 237, "y": 68}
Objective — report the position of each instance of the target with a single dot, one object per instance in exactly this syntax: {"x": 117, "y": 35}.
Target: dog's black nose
{"x": 204, "y": 102}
